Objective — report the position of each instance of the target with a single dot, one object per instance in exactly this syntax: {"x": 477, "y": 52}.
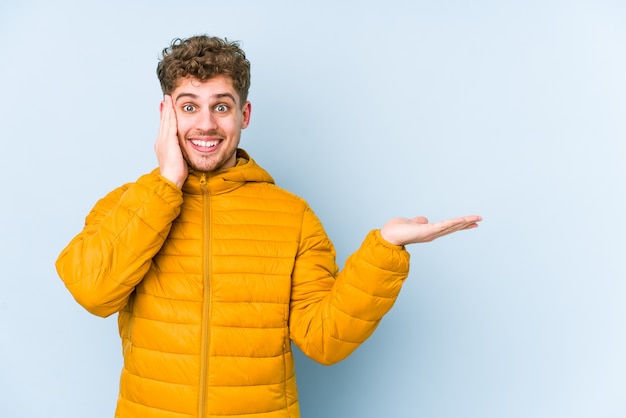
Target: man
{"x": 214, "y": 270}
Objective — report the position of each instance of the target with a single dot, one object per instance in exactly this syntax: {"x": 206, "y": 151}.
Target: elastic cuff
{"x": 162, "y": 187}
{"x": 380, "y": 240}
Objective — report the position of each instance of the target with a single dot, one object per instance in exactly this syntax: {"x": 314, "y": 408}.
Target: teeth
{"x": 200, "y": 143}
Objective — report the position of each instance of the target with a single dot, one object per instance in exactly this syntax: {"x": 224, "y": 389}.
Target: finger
{"x": 468, "y": 219}
{"x": 164, "y": 110}
{"x": 168, "y": 120}
{"x": 453, "y": 225}
{"x": 460, "y": 223}
{"x": 472, "y": 218}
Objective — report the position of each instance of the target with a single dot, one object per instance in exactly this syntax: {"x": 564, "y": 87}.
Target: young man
{"x": 214, "y": 270}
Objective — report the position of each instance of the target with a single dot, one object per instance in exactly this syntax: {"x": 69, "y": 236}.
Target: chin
{"x": 206, "y": 166}
{"x": 209, "y": 164}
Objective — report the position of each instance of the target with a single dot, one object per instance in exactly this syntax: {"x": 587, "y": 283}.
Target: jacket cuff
{"x": 380, "y": 240}
{"x": 387, "y": 255}
{"x": 162, "y": 187}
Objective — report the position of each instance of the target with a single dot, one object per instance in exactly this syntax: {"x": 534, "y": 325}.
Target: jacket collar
{"x": 245, "y": 171}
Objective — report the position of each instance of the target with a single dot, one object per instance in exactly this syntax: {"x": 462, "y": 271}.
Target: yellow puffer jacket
{"x": 213, "y": 283}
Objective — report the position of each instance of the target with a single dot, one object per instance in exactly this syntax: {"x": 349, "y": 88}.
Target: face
{"x": 210, "y": 119}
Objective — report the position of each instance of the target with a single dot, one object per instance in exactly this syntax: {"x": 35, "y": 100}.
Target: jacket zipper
{"x": 206, "y": 302}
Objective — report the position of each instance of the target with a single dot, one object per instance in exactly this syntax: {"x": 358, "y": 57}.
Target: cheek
{"x": 232, "y": 126}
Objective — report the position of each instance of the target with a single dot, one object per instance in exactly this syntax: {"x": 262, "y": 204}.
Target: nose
{"x": 206, "y": 120}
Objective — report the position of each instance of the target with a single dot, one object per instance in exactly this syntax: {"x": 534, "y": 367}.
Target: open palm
{"x": 402, "y": 231}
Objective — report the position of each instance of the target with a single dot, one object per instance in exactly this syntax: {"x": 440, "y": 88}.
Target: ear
{"x": 245, "y": 112}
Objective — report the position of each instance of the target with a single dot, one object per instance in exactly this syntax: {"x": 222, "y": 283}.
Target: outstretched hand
{"x": 402, "y": 231}
{"x": 171, "y": 162}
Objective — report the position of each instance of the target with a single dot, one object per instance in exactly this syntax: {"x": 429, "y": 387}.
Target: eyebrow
{"x": 195, "y": 96}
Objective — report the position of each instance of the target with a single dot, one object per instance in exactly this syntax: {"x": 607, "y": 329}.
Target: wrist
{"x": 177, "y": 179}
{"x": 389, "y": 239}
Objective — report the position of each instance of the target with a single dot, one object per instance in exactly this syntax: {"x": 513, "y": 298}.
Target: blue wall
{"x": 514, "y": 110}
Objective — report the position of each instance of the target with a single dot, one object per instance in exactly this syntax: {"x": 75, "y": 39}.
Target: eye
{"x": 221, "y": 108}
{"x": 188, "y": 108}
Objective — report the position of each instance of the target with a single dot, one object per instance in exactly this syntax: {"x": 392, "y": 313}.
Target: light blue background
{"x": 514, "y": 110}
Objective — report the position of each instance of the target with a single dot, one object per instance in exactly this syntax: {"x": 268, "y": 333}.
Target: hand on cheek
{"x": 169, "y": 155}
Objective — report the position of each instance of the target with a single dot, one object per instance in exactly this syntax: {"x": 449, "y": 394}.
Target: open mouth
{"x": 202, "y": 145}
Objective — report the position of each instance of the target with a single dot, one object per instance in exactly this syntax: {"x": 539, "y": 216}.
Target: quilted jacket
{"x": 212, "y": 284}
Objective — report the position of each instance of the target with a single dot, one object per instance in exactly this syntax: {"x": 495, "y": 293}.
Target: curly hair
{"x": 204, "y": 57}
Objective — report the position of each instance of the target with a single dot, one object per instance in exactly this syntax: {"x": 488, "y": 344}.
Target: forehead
{"x": 215, "y": 87}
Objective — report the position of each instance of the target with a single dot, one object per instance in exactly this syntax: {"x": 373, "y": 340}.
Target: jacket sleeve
{"x": 333, "y": 312}
{"x": 102, "y": 265}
